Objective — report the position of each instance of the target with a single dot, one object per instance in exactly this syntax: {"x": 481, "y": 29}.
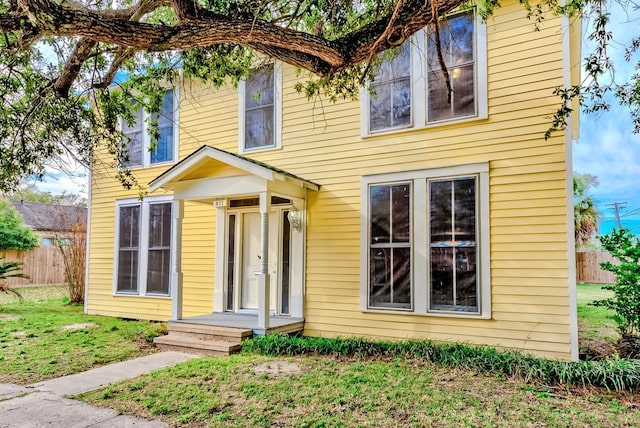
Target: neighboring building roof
{"x": 50, "y": 217}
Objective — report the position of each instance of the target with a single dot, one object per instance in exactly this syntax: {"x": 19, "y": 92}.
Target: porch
{"x": 277, "y": 324}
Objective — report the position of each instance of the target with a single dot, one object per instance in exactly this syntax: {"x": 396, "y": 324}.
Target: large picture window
{"x": 390, "y": 246}
{"x": 457, "y": 43}
{"x": 143, "y": 255}
{"x": 141, "y": 149}
{"x": 426, "y": 242}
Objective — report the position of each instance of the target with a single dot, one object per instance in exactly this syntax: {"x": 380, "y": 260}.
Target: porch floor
{"x": 277, "y": 324}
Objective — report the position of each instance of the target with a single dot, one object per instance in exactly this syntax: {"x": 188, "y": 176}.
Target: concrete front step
{"x": 196, "y": 346}
{"x": 209, "y": 332}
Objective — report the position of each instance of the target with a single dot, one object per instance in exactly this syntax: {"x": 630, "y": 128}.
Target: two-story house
{"x": 412, "y": 213}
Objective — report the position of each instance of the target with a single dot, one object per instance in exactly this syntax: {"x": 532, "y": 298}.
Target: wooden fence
{"x": 588, "y": 267}
{"x": 42, "y": 265}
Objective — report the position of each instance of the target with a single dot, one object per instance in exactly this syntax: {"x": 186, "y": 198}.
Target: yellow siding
{"x": 321, "y": 142}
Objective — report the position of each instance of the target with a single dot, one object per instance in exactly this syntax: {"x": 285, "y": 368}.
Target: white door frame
{"x": 296, "y": 262}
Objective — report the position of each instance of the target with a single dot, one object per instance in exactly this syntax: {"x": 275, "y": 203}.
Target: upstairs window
{"x": 390, "y": 101}
{"x": 140, "y": 148}
{"x": 457, "y": 46}
{"x": 410, "y": 90}
{"x": 260, "y": 109}
{"x": 259, "y": 103}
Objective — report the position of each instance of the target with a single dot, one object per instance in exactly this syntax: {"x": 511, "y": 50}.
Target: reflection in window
{"x": 163, "y": 150}
{"x": 457, "y": 42}
{"x": 453, "y": 245}
{"x": 159, "y": 248}
{"x": 390, "y": 246}
{"x": 390, "y": 103}
{"x": 135, "y": 135}
{"x": 128, "y": 248}
{"x": 259, "y": 109}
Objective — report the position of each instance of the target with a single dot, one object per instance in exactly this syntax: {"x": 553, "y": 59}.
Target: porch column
{"x": 263, "y": 276}
{"x": 176, "y": 259}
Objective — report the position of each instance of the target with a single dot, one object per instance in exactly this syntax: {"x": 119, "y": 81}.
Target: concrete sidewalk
{"x": 43, "y": 404}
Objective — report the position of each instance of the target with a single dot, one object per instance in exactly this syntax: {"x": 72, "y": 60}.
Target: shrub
{"x": 625, "y": 248}
{"x": 618, "y": 374}
{"x": 10, "y": 270}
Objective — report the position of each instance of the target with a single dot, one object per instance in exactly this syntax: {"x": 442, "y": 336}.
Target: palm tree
{"x": 10, "y": 270}
{"x": 585, "y": 213}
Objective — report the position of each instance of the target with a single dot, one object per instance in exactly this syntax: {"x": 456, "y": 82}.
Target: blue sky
{"x": 607, "y": 147}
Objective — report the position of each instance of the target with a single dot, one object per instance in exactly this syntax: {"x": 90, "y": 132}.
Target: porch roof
{"x": 202, "y": 163}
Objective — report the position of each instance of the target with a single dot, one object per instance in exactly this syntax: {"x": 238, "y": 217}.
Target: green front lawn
{"x": 315, "y": 391}
{"x": 43, "y": 337}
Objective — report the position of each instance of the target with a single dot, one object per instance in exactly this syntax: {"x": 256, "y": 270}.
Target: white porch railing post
{"x": 176, "y": 260}
{"x": 263, "y": 279}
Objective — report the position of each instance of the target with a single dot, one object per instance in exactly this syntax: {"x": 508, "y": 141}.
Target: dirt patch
{"x": 277, "y": 368}
{"x": 80, "y": 326}
{"x": 18, "y": 333}
{"x": 7, "y": 317}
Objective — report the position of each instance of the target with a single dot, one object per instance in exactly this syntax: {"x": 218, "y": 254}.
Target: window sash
{"x": 453, "y": 259}
{"x": 460, "y": 59}
{"x": 159, "y": 248}
{"x": 391, "y": 99}
{"x": 259, "y": 109}
{"x": 128, "y": 248}
{"x": 390, "y": 246}
{"x": 163, "y": 150}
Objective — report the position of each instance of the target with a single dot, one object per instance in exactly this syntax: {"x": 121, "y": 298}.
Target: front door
{"x": 251, "y": 260}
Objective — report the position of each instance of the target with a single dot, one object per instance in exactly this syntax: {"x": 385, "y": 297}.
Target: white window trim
{"x": 146, "y": 138}
{"x": 419, "y": 87}
{"x": 419, "y": 253}
{"x": 277, "y": 112}
{"x": 143, "y": 245}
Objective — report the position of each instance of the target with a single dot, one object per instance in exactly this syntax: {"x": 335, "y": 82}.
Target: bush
{"x": 618, "y": 374}
{"x": 625, "y": 248}
{"x": 10, "y": 270}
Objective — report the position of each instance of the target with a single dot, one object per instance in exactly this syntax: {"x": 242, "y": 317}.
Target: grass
{"x": 43, "y": 337}
{"x": 597, "y": 331}
{"x": 258, "y": 391}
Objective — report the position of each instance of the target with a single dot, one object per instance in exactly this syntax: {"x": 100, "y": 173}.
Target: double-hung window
{"x": 453, "y": 244}
{"x": 457, "y": 48}
{"x": 390, "y": 245}
{"x": 143, "y": 247}
{"x": 390, "y": 101}
{"x": 260, "y": 109}
{"x": 426, "y": 243}
{"x": 410, "y": 89}
{"x": 144, "y": 150}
